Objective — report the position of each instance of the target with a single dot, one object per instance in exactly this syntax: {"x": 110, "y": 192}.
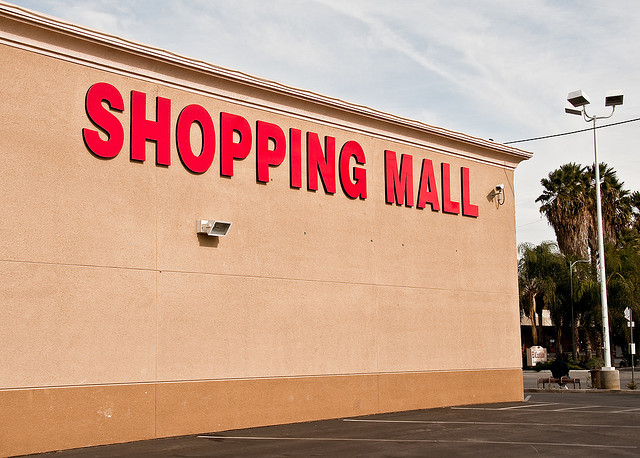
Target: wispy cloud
{"x": 507, "y": 56}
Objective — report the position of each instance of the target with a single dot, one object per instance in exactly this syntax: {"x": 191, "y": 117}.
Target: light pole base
{"x": 609, "y": 378}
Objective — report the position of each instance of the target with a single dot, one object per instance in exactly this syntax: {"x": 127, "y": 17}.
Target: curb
{"x": 586, "y": 390}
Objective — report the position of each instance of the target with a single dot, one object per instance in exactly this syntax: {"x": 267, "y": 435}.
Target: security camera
{"x": 498, "y": 194}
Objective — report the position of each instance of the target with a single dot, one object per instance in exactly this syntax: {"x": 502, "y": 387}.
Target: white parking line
{"x": 528, "y": 406}
{"x": 626, "y": 410}
{"x": 533, "y": 408}
{"x": 493, "y": 423}
{"x": 573, "y": 408}
{"x": 431, "y": 441}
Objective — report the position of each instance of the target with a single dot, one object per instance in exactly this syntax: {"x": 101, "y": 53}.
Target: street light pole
{"x": 628, "y": 314}
{"x": 573, "y": 323}
{"x": 601, "y": 265}
{"x": 632, "y": 349}
{"x": 580, "y": 100}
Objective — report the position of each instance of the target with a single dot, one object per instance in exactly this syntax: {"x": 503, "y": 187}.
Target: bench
{"x": 562, "y": 380}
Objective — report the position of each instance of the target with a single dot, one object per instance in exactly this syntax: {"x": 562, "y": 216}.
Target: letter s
{"x": 104, "y": 120}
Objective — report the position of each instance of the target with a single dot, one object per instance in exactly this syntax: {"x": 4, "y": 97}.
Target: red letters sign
{"x": 271, "y": 143}
{"x": 399, "y": 185}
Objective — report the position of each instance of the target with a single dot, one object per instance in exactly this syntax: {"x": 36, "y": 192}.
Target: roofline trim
{"x": 104, "y": 39}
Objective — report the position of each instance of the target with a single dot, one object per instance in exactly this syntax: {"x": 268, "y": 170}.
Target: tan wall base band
{"x": 37, "y": 420}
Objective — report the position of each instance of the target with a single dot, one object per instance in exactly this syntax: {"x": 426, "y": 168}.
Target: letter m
{"x": 398, "y": 183}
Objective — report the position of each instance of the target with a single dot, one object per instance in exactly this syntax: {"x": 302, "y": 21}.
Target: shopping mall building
{"x": 185, "y": 248}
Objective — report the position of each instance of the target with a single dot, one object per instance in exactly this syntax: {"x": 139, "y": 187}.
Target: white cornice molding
{"x": 85, "y": 34}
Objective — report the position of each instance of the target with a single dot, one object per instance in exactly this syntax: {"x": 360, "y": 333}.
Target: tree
{"x": 616, "y": 207}
{"x": 539, "y": 268}
{"x": 623, "y": 281}
{"x": 565, "y": 203}
{"x": 569, "y": 204}
{"x": 587, "y": 307}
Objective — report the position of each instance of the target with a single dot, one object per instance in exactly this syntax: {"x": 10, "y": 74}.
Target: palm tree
{"x": 587, "y": 311}
{"x": 568, "y": 202}
{"x": 565, "y": 202}
{"x": 616, "y": 207}
{"x": 539, "y": 269}
{"x": 623, "y": 280}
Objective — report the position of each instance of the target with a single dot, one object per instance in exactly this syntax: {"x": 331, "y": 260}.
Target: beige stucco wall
{"x": 108, "y": 290}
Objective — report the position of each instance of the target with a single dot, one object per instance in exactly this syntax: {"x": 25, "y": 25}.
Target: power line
{"x": 531, "y": 222}
{"x": 573, "y": 132}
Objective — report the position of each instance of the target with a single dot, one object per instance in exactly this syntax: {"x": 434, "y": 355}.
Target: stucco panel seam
{"x": 260, "y": 277}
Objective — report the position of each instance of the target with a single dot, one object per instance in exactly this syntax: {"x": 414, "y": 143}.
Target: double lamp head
{"x": 579, "y": 99}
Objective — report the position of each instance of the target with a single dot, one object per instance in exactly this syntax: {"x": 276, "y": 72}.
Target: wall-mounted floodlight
{"x": 212, "y": 228}
{"x": 578, "y": 98}
{"x": 613, "y": 98}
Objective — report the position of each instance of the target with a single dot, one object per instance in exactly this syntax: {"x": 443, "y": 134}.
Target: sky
{"x": 493, "y": 69}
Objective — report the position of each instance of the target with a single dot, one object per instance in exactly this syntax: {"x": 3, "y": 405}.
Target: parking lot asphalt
{"x": 552, "y": 423}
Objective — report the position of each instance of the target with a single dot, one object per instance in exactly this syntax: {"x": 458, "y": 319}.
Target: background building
{"x": 370, "y": 265}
